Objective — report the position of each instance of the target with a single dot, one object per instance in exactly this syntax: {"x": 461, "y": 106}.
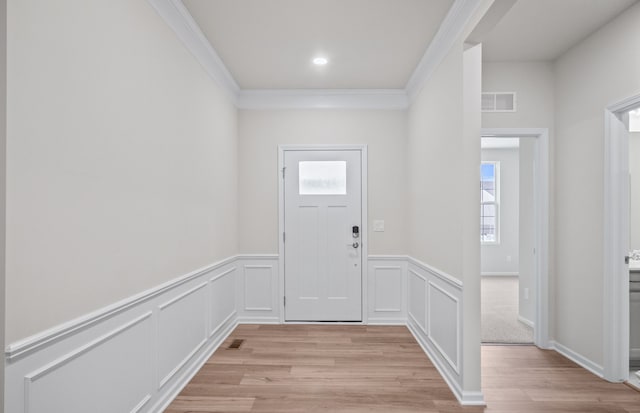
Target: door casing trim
{"x": 541, "y": 189}
{"x": 363, "y": 148}
{"x": 615, "y": 271}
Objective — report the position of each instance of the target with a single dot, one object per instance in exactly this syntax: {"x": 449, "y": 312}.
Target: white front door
{"x": 323, "y": 242}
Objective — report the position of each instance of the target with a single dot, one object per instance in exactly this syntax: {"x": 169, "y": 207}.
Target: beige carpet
{"x": 500, "y": 312}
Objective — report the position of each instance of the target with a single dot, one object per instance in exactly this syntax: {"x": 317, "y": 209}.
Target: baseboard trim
{"x": 465, "y": 398}
{"x": 499, "y": 274}
{"x": 579, "y": 359}
{"x": 387, "y": 321}
{"x": 258, "y": 320}
{"x": 526, "y": 321}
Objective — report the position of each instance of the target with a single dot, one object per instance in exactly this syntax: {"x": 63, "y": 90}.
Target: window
{"x": 322, "y": 177}
{"x": 489, "y": 217}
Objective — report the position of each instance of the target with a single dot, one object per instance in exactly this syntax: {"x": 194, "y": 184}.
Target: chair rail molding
{"x": 145, "y": 349}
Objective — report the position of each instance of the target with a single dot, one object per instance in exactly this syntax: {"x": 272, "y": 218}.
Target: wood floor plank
{"x": 337, "y": 368}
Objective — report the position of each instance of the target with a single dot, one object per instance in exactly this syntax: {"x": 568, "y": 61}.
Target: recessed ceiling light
{"x": 320, "y": 61}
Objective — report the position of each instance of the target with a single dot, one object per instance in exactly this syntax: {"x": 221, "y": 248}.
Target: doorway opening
{"x": 507, "y": 240}
{"x": 323, "y": 233}
{"x": 622, "y": 242}
{"x": 514, "y": 236}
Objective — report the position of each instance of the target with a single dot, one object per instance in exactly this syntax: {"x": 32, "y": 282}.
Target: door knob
{"x": 354, "y": 245}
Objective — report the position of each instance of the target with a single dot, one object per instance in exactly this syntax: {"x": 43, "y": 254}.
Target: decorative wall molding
{"x": 435, "y": 319}
{"x": 393, "y": 99}
{"x": 200, "y": 309}
{"x": 387, "y": 290}
{"x": 258, "y": 296}
{"x": 176, "y": 15}
{"x": 144, "y": 349}
{"x": 38, "y": 395}
{"x": 450, "y": 351}
{"x": 450, "y": 28}
{"x": 449, "y": 279}
{"x": 52, "y": 335}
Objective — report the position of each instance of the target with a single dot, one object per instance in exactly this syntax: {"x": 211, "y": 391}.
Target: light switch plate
{"x": 378, "y": 225}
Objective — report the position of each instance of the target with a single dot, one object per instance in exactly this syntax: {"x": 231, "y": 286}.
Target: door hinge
{"x": 626, "y": 260}
{"x": 283, "y": 169}
{"x": 284, "y": 299}
{"x": 284, "y": 237}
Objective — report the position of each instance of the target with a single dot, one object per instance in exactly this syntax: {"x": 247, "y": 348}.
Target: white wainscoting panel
{"x": 54, "y": 387}
{"x": 223, "y": 304}
{"x": 133, "y": 356}
{"x": 258, "y": 295}
{"x": 182, "y": 330}
{"x": 136, "y": 355}
{"x": 418, "y": 299}
{"x": 387, "y": 290}
{"x": 435, "y": 308}
{"x": 443, "y": 312}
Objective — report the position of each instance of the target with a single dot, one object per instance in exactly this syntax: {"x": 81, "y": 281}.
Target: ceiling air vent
{"x": 499, "y": 102}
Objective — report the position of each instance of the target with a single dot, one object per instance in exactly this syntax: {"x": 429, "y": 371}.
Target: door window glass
{"x": 322, "y": 177}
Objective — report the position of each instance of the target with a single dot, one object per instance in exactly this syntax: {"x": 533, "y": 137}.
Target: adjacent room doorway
{"x": 323, "y": 238}
{"x": 538, "y": 292}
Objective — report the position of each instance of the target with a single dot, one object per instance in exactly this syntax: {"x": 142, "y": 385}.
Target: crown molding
{"x": 451, "y": 27}
{"x": 176, "y": 15}
{"x": 392, "y": 99}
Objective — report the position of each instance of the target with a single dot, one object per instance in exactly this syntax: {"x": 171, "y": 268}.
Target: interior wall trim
{"x": 449, "y": 279}
{"x": 42, "y": 355}
{"x": 391, "y": 99}
{"x": 145, "y": 348}
{"x": 178, "y": 18}
{"x": 445, "y": 38}
{"x": 176, "y": 15}
{"x": 579, "y": 359}
{"x": 36, "y": 341}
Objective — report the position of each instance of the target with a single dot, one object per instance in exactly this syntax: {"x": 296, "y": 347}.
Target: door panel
{"x": 323, "y": 202}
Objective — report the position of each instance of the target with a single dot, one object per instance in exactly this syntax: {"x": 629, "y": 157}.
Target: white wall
{"x": 634, "y": 195}
{"x": 502, "y": 258}
{"x": 597, "y": 72}
{"x": 526, "y": 229}
{"x": 121, "y": 169}
{"x": 260, "y": 133}
{"x": 3, "y": 177}
{"x": 435, "y": 169}
{"x": 533, "y": 83}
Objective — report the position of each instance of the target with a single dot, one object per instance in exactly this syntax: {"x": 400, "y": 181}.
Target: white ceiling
{"x": 370, "y": 44}
{"x": 545, "y": 29}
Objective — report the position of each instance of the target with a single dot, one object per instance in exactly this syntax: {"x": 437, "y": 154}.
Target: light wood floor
{"x": 303, "y": 368}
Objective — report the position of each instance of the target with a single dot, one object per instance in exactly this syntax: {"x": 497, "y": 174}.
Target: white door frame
{"x": 616, "y": 244}
{"x": 364, "y": 236}
{"x": 541, "y": 195}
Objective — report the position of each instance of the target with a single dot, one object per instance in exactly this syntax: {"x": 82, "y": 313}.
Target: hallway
{"x": 313, "y": 368}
